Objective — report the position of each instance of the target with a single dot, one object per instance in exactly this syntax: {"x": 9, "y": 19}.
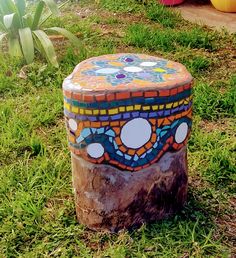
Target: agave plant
{"x": 23, "y": 32}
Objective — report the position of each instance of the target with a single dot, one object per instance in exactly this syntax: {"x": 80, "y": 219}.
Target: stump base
{"x": 110, "y": 199}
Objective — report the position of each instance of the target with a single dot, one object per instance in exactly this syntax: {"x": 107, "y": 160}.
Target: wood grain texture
{"x": 110, "y": 199}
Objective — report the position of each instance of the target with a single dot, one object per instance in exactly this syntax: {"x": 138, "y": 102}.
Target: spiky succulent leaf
{"x": 46, "y": 46}
{"x": 72, "y": 38}
{"x": 14, "y": 47}
{"x": 27, "y": 44}
{"x": 21, "y": 6}
{"x": 51, "y": 4}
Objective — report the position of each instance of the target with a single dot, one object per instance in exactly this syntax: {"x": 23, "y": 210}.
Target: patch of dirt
{"x": 222, "y": 125}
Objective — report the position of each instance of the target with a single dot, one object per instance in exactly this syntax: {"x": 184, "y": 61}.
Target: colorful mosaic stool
{"x": 128, "y": 119}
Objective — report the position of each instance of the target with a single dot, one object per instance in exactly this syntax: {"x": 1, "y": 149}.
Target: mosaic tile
{"x": 127, "y": 110}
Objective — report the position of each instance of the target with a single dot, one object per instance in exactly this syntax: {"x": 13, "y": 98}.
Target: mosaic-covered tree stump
{"x": 128, "y": 119}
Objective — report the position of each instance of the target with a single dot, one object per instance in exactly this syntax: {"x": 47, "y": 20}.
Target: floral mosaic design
{"x": 128, "y": 68}
{"x": 125, "y": 71}
{"x": 129, "y": 129}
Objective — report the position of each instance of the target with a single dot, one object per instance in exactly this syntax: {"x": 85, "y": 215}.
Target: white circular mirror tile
{"x": 107, "y": 70}
{"x": 148, "y": 64}
{"x": 73, "y": 124}
{"x": 95, "y": 150}
{"x": 133, "y": 69}
{"x": 136, "y": 133}
{"x": 181, "y": 132}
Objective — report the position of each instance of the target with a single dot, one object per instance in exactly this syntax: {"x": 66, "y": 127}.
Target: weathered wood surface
{"x": 110, "y": 199}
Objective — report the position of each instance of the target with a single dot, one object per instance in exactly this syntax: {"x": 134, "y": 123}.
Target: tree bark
{"x": 110, "y": 199}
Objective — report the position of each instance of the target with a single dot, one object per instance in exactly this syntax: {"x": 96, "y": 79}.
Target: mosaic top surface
{"x": 126, "y": 72}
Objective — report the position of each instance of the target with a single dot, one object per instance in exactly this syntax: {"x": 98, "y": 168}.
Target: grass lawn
{"x": 37, "y": 213}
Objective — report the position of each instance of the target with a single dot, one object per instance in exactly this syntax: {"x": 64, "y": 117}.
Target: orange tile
{"x": 88, "y": 98}
{"x": 187, "y": 86}
{"x": 68, "y": 94}
{"x": 175, "y": 145}
{"x": 153, "y": 121}
{"x": 105, "y": 123}
{"x": 100, "y": 160}
{"x": 180, "y": 89}
{"x": 96, "y": 124}
{"x": 166, "y": 121}
{"x": 146, "y": 166}
{"x": 130, "y": 168}
{"x": 164, "y": 93}
{"x": 160, "y": 121}
{"x": 137, "y": 94}
{"x": 153, "y": 138}
{"x": 122, "y": 123}
{"x": 174, "y": 91}
{"x": 148, "y": 145}
{"x": 178, "y": 116}
{"x": 117, "y": 130}
{"x": 118, "y": 141}
{"x": 141, "y": 151}
{"x": 110, "y": 97}
{"x": 131, "y": 152}
{"x": 106, "y": 156}
{"x": 166, "y": 147}
{"x": 114, "y": 162}
{"x": 116, "y": 123}
{"x": 100, "y": 97}
{"x": 122, "y": 95}
{"x": 122, "y": 166}
{"x": 122, "y": 148}
{"x": 148, "y": 94}
{"x": 170, "y": 140}
{"x": 137, "y": 168}
{"x": 77, "y": 96}
{"x": 87, "y": 124}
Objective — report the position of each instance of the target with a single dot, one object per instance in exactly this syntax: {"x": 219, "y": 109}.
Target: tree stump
{"x": 128, "y": 118}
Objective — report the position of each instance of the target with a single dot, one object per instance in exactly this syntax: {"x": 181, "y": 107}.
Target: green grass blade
{"x": 51, "y": 4}
{"x": 21, "y": 6}
{"x": 27, "y": 44}
{"x": 14, "y": 47}
{"x": 46, "y": 46}
{"x": 8, "y": 20}
{"x": 72, "y": 38}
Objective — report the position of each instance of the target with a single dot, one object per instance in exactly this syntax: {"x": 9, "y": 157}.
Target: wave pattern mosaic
{"x": 127, "y": 110}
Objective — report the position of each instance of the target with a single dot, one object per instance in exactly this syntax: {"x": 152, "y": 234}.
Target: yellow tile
{"x": 146, "y": 108}
{"x": 155, "y": 107}
{"x": 161, "y": 106}
{"x": 95, "y": 111}
{"x": 81, "y": 111}
{"x": 181, "y": 102}
{"x": 103, "y": 111}
{"x": 137, "y": 107}
{"x": 129, "y": 108}
{"x": 175, "y": 104}
{"x": 88, "y": 112}
{"x": 67, "y": 106}
{"x": 160, "y": 70}
{"x": 75, "y": 109}
{"x": 169, "y": 105}
{"x": 113, "y": 111}
{"x": 122, "y": 109}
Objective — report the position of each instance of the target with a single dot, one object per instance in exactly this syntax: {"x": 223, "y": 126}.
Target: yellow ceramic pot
{"x": 225, "y": 5}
